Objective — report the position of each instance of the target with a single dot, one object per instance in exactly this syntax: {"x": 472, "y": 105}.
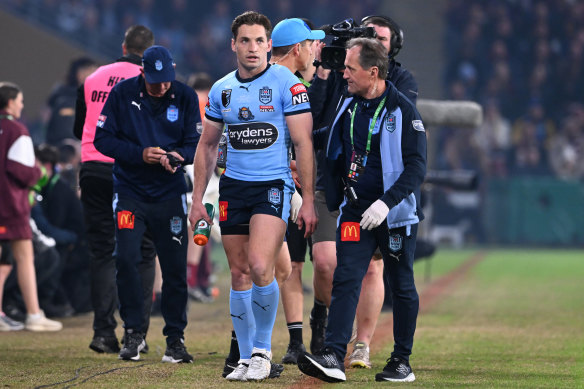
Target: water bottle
{"x": 203, "y": 229}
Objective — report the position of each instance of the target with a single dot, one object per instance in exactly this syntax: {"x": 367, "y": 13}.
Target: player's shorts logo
{"x": 245, "y": 114}
{"x": 125, "y": 220}
{"x": 275, "y": 196}
{"x": 252, "y": 136}
{"x": 176, "y": 225}
{"x": 225, "y": 97}
{"x": 265, "y": 95}
{"x": 395, "y": 242}
{"x": 350, "y": 232}
{"x": 223, "y": 210}
{"x": 172, "y": 113}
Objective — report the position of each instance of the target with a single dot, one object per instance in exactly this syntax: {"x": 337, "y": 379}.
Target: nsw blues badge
{"x": 390, "y": 123}
{"x": 172, "y": 113}
{"x": 176, "y": 225}
{"x": 395, "y": 242}
{"x": 265, "y": 95}
{"x": 275, "y": 196}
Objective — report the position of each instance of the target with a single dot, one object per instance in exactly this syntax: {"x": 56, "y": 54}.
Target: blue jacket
{"x": 129, "y": 123}
{"x": 403, "y": 158}
{"x": 324, "y": 95}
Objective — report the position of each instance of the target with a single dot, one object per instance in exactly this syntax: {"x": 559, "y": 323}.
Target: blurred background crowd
{"x": 522, "y": 60}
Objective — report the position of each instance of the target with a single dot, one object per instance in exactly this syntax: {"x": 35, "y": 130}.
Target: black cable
{"x": 90, "y": 377}
{"x": 63, "y": 382}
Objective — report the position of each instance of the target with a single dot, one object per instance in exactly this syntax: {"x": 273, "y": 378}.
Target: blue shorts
{"x": 240, "y": 200}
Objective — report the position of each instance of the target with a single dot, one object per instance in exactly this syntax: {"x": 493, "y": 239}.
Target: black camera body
{"x": 333, "y": 56}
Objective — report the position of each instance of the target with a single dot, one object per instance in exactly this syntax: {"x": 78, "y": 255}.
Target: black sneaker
{"x": 323, "y": 365}
{"x": 229, "y": 366}
{"x": 293, "y": 352}
{"x": 396, "y": 370}
{"x": 133, "y": 344}
{"x": 275, "y": 370}
{"x": 143, "y": 351}
{"x": 318, "y": 327}
{"x": 105, "y": 344}
{"x": 177, "y": 353}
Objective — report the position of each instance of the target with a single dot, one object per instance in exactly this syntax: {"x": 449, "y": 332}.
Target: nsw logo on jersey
{"x": 252, "y": 136}
{"x": 172, "y": 113}
{"x": 225, "y": 97}
{"x": 299, "y": 94}
{"x": 245, "y": 114}
{"x": 265, "y": 95}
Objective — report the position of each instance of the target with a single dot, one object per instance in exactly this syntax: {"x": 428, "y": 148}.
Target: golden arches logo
{"x": 125, "y": 220}
{"x": 350, "y": 232}
{"x": 223, "y": 210}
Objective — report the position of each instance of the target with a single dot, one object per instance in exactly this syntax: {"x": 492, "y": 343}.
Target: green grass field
{"x": 515, "y": 320}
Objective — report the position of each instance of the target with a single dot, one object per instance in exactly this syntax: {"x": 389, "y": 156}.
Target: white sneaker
{"x": 260, "y": 365}
{"x": 7, "y": 324}
{"x": 239, "y": 373}
{"x": 360, "y": 356}
{"x": 41, "y": 323}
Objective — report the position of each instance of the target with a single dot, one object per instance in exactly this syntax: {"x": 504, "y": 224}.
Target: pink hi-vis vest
{"x": 97, "y": 88}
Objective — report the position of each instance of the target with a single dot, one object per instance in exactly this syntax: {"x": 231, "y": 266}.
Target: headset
{"x": 397, "y": 34}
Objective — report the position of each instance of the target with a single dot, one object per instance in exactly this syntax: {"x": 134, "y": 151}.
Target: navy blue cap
{"x": 292, "y": 31}
{"x": 158, "y": 65}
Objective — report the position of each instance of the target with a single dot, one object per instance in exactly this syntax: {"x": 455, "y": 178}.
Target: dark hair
{"x": 200, "y": 81}
{"x": 373, "y": 53}
{"x": 250, "y": 18}
{"x": 397, "y": 35}
{"x": 308, "y": 23}
{"x": 75, "y": 66}
{"x": 282, "y": 50}
{"x": 8, "y": 91}
{"x": 46, "y": 153}
{"x": 137, "y": 39}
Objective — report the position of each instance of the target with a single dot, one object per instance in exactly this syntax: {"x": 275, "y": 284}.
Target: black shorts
{"x": 240, "y": 200}
{"x": 297, "y": 243}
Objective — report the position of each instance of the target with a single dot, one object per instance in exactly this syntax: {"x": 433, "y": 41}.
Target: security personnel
{"x": 376, "y": 157}
{"x": 95, "y": 180}
{"x": 149, "y": 126}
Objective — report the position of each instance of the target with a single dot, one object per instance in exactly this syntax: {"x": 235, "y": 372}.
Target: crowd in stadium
{"x": 523, "y": 61}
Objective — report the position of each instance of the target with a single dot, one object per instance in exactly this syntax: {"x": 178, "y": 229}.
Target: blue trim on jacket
{"x": 403, "y": 158}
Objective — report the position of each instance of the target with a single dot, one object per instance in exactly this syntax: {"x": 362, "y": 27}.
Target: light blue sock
{"x": 242, "y": 319}
{"x": 264, "y": 304}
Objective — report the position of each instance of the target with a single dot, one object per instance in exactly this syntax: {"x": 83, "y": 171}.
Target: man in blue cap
{"x": 149, "y": 125}
{"x": 292, "y": 46}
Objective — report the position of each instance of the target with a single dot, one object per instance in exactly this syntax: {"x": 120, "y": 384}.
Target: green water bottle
{"x": 203, "y": 229}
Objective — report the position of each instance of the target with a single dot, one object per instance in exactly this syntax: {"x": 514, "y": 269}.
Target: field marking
{"x": 431, "y": 295}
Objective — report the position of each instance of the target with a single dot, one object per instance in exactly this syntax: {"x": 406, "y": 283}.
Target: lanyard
{"x": 371, "y": 126}
{"x": 306, "y": 83}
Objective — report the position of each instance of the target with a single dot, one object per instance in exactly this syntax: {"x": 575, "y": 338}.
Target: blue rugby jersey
{"x": 254, "y": 111}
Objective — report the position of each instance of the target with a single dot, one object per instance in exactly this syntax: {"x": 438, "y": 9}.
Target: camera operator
{"x": 327, "y": 87}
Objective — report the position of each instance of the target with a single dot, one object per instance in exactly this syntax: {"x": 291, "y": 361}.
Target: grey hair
{"x": 373, "y": 53}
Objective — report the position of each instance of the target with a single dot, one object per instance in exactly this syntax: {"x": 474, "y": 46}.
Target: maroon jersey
{"x": 18, "y": 172}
